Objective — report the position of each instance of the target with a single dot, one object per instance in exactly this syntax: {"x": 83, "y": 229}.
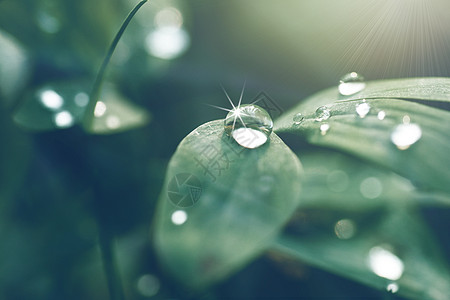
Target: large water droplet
{"x": 351, "y": 84}
{"x": 322, "y": 113}
{"x": 405, "y": 135}
{"x": 249, "y": 125}
{"x": 298, "y": 118}
{"x": 362, "y": 109}
{"x": 50, "y": 99}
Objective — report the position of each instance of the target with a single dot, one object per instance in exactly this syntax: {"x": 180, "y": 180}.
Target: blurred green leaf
{"x": 63, "y": 105}
{"x": 372, "y": 255}
{"x": 246, "y": 196}
{"x": 333, "y": 180}
{"x": 370, "y": 138}
{"x": 14, "y": 67}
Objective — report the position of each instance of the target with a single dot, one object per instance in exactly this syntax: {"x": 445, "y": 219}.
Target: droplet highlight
{"x": 179, "y": 217}
{"x": 324, "y": 128}
{"x": 298, "y": 118}
{"x": 351, "y": 84}
{"x": 322, "y": 113}
{"x": 392, "y": 287}
{"x": 385, "y": 264}
{"x": 63, "y": 119}
{"x": 381, "y": 115}
{"x": 249, "y": 125}
{"x": 405, "y": 135}
{"x": 51, "y": 99}
{"x": 362, "y": 109}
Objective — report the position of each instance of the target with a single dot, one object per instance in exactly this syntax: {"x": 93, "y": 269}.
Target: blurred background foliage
{"x": 60, "y": 188}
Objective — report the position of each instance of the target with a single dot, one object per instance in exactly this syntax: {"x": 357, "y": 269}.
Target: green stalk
{"x": 96, "y": 89}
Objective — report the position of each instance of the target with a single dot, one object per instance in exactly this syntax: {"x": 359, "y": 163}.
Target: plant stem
{"x": 96, "y": 89}
{"x": 106, "y": 241}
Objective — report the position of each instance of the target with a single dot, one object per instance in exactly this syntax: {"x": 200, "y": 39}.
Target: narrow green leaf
{"x": 239, "y": 198}
{"x": 397, "y": 254}
{"x": 370, "y": 138}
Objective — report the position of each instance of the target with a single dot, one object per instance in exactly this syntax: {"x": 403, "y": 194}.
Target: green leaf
{"x": 367, "y": 256}
{"x": 336, "y": 181}
{"x": 63, "y": 105}
{"x": 246, "y": 195}
{"x": 370, "y": 138}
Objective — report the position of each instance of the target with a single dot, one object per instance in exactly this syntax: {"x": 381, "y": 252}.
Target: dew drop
{"x": 324, "y": 128}
{"x": 362, "y": 109}
{"x": 179, "y": 217}
{"x": 322, "y": 114}
{"x": 405, "y": 135}
{"x": 51, "y": 99}
{"x": 63, "y": 119}
{"x": 249, "y": 125}
{"x": 381, "y": 115}
{"x": 351, "y": 84}
{"x": 100, "y": 109}
{"x": 298, "y": 118}
{"x": 385, "y": 264}
{"x": 392, "y": 287}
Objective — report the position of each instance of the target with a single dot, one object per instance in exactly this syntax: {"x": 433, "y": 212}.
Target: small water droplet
{"x": 406, "y": 119}
{"x": 385, "y": 264}
{"x": 381, "y": 115}
{"x": 249, "y": 125}
{"x": 322, "y": 113}
{"x": 298, "y": 118}
{"x": 351, "y": 84}
{"x": 179, "y": 217}
{"x": 392, "y": 287}
{"x": 100, "y": 109}
{"x": 405, "y": 135}
{"x": 324, "y": 128}
{"x": 362, "y": 109}
{"x": 63, "y": 119}
{"x": 51, "y": 99}
{"x": 345, "y": 229}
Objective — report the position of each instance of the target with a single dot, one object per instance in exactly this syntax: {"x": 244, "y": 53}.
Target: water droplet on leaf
{"x": 249, "y": 125}
{"x": 298, "y": 118}
{"x": 392, "y": 287}
{"x": 322, "y": 114}
{"x": 179, "y": 217}
{"x": 63, "y": 119}
{"x": 405, "y": 135}
{"x": 362, "y": 109}
{"x": 385, "y": 264}
{"x": 324, "y": 128}
{"x": 381, "y": 115}
{"x": 351, "y": 84}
